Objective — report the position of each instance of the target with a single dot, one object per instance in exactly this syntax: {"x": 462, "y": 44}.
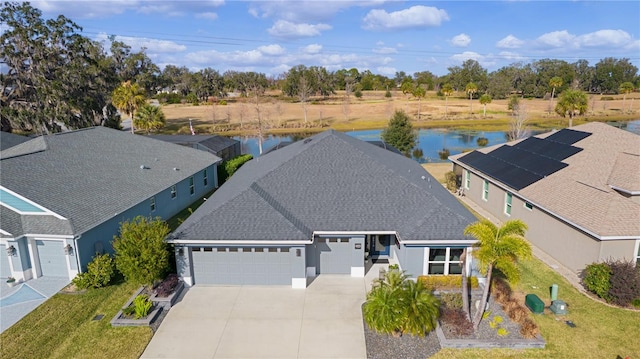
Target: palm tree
{"x": 498, "y": 248}
{"x": 128, "y": 98}
{"x": 484, "y": 100}
{"x": 421, "y": 309}
{"x": 149, "y": 118}
{"x": 419, "y": 92}
{"x": 555, "y": 82}
{"x": 471, "y": 89}
{"x": 625, "y": 88}
{"x": 572, "y": 101}
{"x": 447, "y": 90}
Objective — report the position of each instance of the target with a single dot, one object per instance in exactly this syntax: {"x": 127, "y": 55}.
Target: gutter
{"x": 237, "y": 242}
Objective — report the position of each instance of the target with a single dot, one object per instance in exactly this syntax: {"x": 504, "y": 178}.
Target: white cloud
{"x": 467, "y": 55}
{"x": 386, "y": 70}
{"x": 510, "y": 42}
{"x": 312, "y": 49}
{"x": 289, "y": 30}
{"x": 104, "y": 9}
{"x": 385, "y": 50}
{"x": 511, "y": 56}
{"x": 556, "y": 39}
{"x": 152, "y": 46}
{"x": 462, "y": 40}
{"x": 605, "y": 38}
{"x": 272, "y": 50}
{"x": 304, "y": 11}
{"x": 414, "y": 17}
{"x": 207, "y": 15}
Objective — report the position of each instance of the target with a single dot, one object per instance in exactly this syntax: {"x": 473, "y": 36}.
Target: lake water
{"x": 430, "y": 142}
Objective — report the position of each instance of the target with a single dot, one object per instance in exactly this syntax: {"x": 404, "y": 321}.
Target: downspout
{"x": 75, "y": 246}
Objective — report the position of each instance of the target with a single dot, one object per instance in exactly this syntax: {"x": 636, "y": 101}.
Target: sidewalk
{"x": 568, "y": 274}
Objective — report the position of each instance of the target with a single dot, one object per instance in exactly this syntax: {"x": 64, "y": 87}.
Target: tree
{"x": 498, "y": 248}
{"x": 484, "y": 100}
{"x": 626, "y": 88}
{"x": 518, "y": 128}
{"x": 142, "y": 254}
{"x": 471, "y": 89}
{"x": 399, "y": 133}
{"x": 397, "y": 305}
{"x": 572, "y": 102}
{"x": 419, "y": 92}
{"x": 55, "y": 77}
{"x": 149, "y": 118}
{"x": 555, "y": 82}
{"x": 447, "y": 90}
{"x": 128, "y": 98}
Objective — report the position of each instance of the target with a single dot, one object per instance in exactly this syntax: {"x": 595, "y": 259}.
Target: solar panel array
{"x": 528, "y": 161}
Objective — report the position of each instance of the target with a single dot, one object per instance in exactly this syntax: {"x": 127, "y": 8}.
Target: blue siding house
{"x": 63, "y": 196}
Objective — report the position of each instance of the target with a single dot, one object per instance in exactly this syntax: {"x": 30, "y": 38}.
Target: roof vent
{"x": 143, "y": 167}
{"x": 176, "y": 169}
{"x": 307, "y": 140}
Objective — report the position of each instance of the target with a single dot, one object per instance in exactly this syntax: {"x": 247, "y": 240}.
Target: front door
{"x": 380, "y": 244}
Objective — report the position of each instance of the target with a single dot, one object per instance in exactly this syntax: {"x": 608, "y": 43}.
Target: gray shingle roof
{"x": 9, "y": 140}
{"x": 213, "y": 142}
{"x": 90, "y": 175}
{"x": 329, "y": 182}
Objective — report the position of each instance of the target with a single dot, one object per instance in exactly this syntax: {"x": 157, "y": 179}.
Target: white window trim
{"x": 636, "y": 253}
{"x": 152, "y": 203}
{"x": 174, "y": 192}
{"x": 447, "y": 262}
{"x": 192, "y": 186}
{"x": 205, "y": 178}
{"x": 467, "y": 179}
{"x": 527, "y": 207}
{"x": 485, "y": 190}
{"x": 508, "y": 207}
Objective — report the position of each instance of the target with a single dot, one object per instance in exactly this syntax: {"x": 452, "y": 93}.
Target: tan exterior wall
{"x": 570, "y": 246}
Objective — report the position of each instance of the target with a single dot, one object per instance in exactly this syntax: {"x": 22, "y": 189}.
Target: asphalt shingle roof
{"x": 9, "y": 140}
{"x": 213, "y": 142}
{"x": 89, "y": 176}
{"x": 328, "y": 182}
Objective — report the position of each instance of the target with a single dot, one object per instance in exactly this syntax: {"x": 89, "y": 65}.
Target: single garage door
{"x": 5, "y": 270}
{"x": 334, "y": 256}
{"x": 241, "y": 266}
{"x": 52, "y": 258}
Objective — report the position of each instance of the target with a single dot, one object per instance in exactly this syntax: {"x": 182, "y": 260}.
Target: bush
{"x": 231, "y": 166}
{"x": 99, "y": 273}
{"x": 457, "y": 322}
{"x": 222, "y": 102}
{"x": 528, "y": 328}
{"x": 142, "y": 306}
{"x": 624, "y": 283}
{"x": 606, "y": 98}
{"x": 451, "y": 300}
{"x": 358, "y": 93}
{"x": 451, "y": 180}
{"x": 446, "y": 281}
{"x": 596, "y": 279}
{"x": 142, "y": 255}
{"x": 636, "y": 302}
{"x": 387, "y": 94}
{"x": 444, "y": 154}
{"x": 167, "y": 286}
{"x": 482, "y": 141}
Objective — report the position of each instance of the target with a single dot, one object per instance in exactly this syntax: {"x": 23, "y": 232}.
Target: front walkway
{"x": 20, "y": 300}
{"x": 322, "y": 321}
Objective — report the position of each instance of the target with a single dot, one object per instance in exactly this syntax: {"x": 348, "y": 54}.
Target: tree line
{"x": 58, "y": 78}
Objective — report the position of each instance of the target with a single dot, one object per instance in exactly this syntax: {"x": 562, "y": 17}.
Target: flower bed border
{"x": 537, "y": 343}
{"x": 119, "y": 321}
{"x": 169, "y": 301}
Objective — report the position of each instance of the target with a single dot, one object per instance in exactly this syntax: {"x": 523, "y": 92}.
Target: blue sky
{"x": 381, "y": 36}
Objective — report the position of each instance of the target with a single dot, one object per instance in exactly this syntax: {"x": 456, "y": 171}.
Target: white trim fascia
{"x": 636, "y": 248}
{"x": 619, "y": 189}
{"x": 237, "y": 242}
{"x": 552, "y": 213}
{"x": 2, "y": 231}
{"x": 339, "y": 233}
{"x": 49, "y": 237}
{"x": 47, "y": 212}
{"x": 451, "y": 243}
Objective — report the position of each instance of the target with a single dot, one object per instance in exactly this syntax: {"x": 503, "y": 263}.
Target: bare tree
{"x": 242, "y": 112}
{"x": 518, "y": 127}
{"x": 304, "y": 93}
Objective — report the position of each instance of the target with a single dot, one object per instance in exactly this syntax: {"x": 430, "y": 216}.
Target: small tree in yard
{"x": 99, "y": 273}
{"x": 142, "y": 255}
{"x": 399, "y": 133}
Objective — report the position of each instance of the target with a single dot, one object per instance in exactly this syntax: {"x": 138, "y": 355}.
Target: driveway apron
{"x": 224, "y": 322}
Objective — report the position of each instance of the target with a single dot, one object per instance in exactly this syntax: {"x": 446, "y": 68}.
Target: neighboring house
{"x": 63, "y": 196}
{"x": 578, "y": 190}
{"x": 221, "y": 146}
{"x": 9, "y": 140}
{"x": 322, "y": 205}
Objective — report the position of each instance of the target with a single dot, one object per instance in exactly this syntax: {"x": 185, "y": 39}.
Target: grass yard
{"x": 62, "y": 327}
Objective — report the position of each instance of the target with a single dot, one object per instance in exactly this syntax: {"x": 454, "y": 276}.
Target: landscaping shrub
{"x": 457, "y": 322}
{"x": 606, "y": 98}
{"x": 596, "y": 279}
{"x": 142, "y": 306}
{"x": 624, "y": 283}
{"x": 167, "y": 286}
{"x": 99, "y": 273}
{"x": 501, "y": 290}
{"x": 528, "y": 328}
{"x": 438, "y": 282}
{"x": 142, "y": 255}
{"x": 636, "y": 302}
{"x": 451, "y": 300}
{"x": 451, "y": 180}
{"x": 231, "y": 166}
{"x": 518, "y": 314}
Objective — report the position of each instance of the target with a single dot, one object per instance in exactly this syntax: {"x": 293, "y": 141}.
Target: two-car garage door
{"x": 242, "y": 265}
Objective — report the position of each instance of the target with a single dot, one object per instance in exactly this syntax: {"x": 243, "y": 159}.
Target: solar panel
{"x": 554, "y": 150}
{"x": 567, "y": 136}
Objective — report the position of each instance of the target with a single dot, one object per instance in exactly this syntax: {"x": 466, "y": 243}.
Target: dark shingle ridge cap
{"x": 280, "y": 208}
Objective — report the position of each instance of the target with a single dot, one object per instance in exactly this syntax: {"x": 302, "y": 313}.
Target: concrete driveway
{"x": 322, "y": 321}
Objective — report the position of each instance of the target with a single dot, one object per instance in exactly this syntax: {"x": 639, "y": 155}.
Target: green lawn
{"x": 62, "y": 327}
{"x": 601, "y": 332}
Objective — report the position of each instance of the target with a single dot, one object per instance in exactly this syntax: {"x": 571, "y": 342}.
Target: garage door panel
{"x": 334, "y": 256}
{"x": 53, "y": 262}
{"x": 238, "y": 266}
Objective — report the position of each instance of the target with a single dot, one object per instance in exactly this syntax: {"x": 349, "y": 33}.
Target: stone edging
{"x": 169, "y": 301}
{"x": 118, "y": 321}
{"x": 538, "y": 342}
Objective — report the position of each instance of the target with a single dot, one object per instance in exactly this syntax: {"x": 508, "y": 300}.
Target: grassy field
{"x": 373, "y": 110}
{"x": 62, "y": 327}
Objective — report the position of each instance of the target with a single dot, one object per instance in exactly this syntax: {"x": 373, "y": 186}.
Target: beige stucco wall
{"x": 567, "y": 244}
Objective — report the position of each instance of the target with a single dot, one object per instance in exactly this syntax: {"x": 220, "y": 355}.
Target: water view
{"x": 430, "y": 142}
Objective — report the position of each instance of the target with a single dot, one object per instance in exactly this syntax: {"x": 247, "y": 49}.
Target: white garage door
{"x": 52, "y": 258}
{"x": 334, "y": 255}
{"x": 242, "y": 265}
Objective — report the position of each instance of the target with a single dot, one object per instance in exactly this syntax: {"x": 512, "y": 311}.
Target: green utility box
{"x": 558, "y": 307}
{"x": 534, "y": 304}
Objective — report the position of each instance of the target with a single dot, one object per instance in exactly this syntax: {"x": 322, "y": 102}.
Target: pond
{"x": 430, "y": 142}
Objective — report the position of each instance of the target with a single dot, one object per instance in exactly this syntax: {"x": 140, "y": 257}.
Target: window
{"x": 485, "y": 190}
{"x": 528, "y": 206}
{"x": 192, "y": 187}
{"x": 444, "y": 261}
{"x": 638, "y": 255}
{"x": 507, "y": 203}
{"x": 205, "y": 178}
{"x": 467, "y": 179}
{"x": 152, "y": 203}
{"x": 174, "y": 191}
